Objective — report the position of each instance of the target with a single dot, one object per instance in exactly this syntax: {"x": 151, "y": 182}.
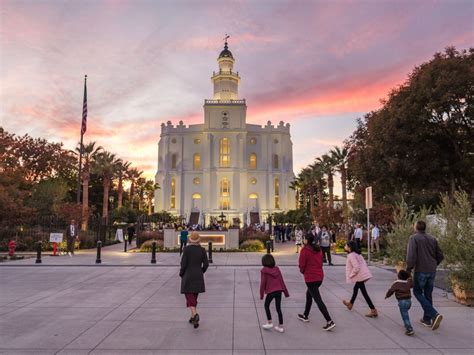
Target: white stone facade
{"x": 224, "y": 165}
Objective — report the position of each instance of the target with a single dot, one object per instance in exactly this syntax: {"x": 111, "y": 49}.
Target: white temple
{"x": 225, "y": 165}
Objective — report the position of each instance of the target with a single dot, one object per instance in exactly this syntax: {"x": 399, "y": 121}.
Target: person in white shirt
{"x": 375, "y": 238}
{"x": 298, "y": 239}
{"x": 71, "y": 236}
{"x": 358, "y": 234}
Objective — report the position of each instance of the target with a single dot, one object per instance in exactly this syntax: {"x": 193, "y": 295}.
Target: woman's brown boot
{"x": 347, "y": 304}
{"x": 372, "y": 313}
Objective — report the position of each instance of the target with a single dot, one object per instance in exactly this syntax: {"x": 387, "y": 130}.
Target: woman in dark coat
{"x": 194, "y": 264}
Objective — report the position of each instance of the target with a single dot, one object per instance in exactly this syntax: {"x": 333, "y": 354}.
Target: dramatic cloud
{"x": 316, "y": 64}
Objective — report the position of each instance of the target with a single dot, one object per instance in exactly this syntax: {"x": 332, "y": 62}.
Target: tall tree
{"x": 328, "y": 164}
{"x": 122, "y": 173}
{"x": 317, "y": 174}
{"x": 106, "y": 165}
{"x": 340, "y": 156}
{"x": 89, "y": 154}
{"x": 420, "y": 142}
{"x": 132, "y": 175}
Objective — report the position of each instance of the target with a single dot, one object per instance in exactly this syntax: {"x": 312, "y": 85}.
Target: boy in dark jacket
{"x": 402, "y": 289}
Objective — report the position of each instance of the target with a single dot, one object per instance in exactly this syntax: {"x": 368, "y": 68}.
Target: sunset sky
{"x": 316, "y": 64}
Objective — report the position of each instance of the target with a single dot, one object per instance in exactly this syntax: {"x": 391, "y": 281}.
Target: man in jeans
{"x": 424, "y": 255}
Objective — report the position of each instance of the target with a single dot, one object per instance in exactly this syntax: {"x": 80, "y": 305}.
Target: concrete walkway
{"x": 137, "y": 309}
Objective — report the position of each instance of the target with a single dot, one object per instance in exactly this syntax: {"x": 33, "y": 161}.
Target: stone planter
{"x": 465, "y": 297}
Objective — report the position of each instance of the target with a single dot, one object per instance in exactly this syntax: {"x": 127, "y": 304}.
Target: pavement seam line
{"x": 256, "y": 312}
{"x": 233, "y": 316}
{"x": 49, "y": 295}
{"x": 141, "y": 304}
{"x": 116, "y": 307}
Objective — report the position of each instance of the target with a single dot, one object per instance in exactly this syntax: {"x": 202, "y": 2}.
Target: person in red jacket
{"x": 272, "y": 284}
{"x": 311, "y": 266}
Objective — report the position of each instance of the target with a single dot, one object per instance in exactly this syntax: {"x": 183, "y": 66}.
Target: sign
{"x": 368, "y": 197}
{"x": 55, "y": 237}
{"x": 119, "y": 235}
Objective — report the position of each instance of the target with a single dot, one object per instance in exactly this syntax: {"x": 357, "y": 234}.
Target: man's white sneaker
{"x": 267, "y": 326}
{"x": 279, "y": 329}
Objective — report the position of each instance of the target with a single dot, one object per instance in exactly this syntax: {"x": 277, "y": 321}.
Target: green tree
{"x": 420, "y": 142}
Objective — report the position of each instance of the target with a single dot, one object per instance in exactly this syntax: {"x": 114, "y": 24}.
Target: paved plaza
{"x": 128, "y": 306}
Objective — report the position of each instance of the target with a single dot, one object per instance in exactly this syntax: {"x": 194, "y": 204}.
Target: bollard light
{"x": 153, "y": 253}
{"x": 38, "y": 252}
{"x": 209, "y": 245}
{"x": 99, "y": 247}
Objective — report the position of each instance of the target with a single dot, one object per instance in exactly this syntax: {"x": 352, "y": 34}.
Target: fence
{"x": 38, "y": 228}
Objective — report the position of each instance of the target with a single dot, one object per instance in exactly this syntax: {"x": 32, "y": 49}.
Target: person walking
{"x": 311, "y": 266}
{"x": 272, "y": 284}
{"x": 358, "y": 273}
{"x": 402, "y": 289}
{"x": 358, "y": 235}
{"x": 326, "y": 245}
{"x": 130, "y": 233}
{"x": 423, "y": 256}
{"x": 71, "y": 236}
{"x": 375, "y": 239}
{"x": 298, "y": 239}
{"x": 183, "y": 239}
{"x": 194, "y": 264}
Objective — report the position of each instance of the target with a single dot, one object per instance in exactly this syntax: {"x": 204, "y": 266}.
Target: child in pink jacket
{"x": 357, "y": 272}
{"x": 272, "y": 284}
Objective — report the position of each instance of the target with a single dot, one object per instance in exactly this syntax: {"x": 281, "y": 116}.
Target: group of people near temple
{"x": 423, "y": 257}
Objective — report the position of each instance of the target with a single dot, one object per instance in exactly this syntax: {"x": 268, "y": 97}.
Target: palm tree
{"x": 106, "y": 166}
{"x": 89, "y": 154}
{"x": 317, "y": 174}
{"x": 341, "y": 156}
{"x": 122, "y": 172}
{"x": 132, "y": 175}
{"x": 306, "y": 183}
{"x": 295, "y": 185}
{"x": 328, "y": 163}
{"x": 148, "y": 190}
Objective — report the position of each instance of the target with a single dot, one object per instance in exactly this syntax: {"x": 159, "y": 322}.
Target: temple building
{"x": 224, "y": 166}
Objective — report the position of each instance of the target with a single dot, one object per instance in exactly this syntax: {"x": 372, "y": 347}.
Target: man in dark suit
{"x": 71, "y": 236}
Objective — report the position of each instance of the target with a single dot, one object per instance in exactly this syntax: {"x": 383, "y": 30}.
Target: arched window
{"x": 275, "y": 161}
{"x": 277, "y": 193}
{"x": 173, "y": 194}
{"x": 224, "y": 153}
{"x": 224, "y": 194}
{"x": 174, "y": 161}
{"x": 197, "y": 161}
{"x": 253, "y": 196}
{"x": 196, "y": 196}
{"x": 253, "y": 161}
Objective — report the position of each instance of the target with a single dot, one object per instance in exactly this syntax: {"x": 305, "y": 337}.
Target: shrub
{"x": 397, "y": 239}
{"x": 252, "y": 245}
{"x": 147, "y": 245}
{"x": 148, "y": 235}
{"x": 455, "y": 232}
{"x": 250, "y": 234}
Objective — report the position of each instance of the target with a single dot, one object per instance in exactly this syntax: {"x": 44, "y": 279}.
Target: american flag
{"x": 84, "y": 109}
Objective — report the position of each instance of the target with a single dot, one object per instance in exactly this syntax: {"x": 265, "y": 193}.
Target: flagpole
{"x": 84, "y": 116}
